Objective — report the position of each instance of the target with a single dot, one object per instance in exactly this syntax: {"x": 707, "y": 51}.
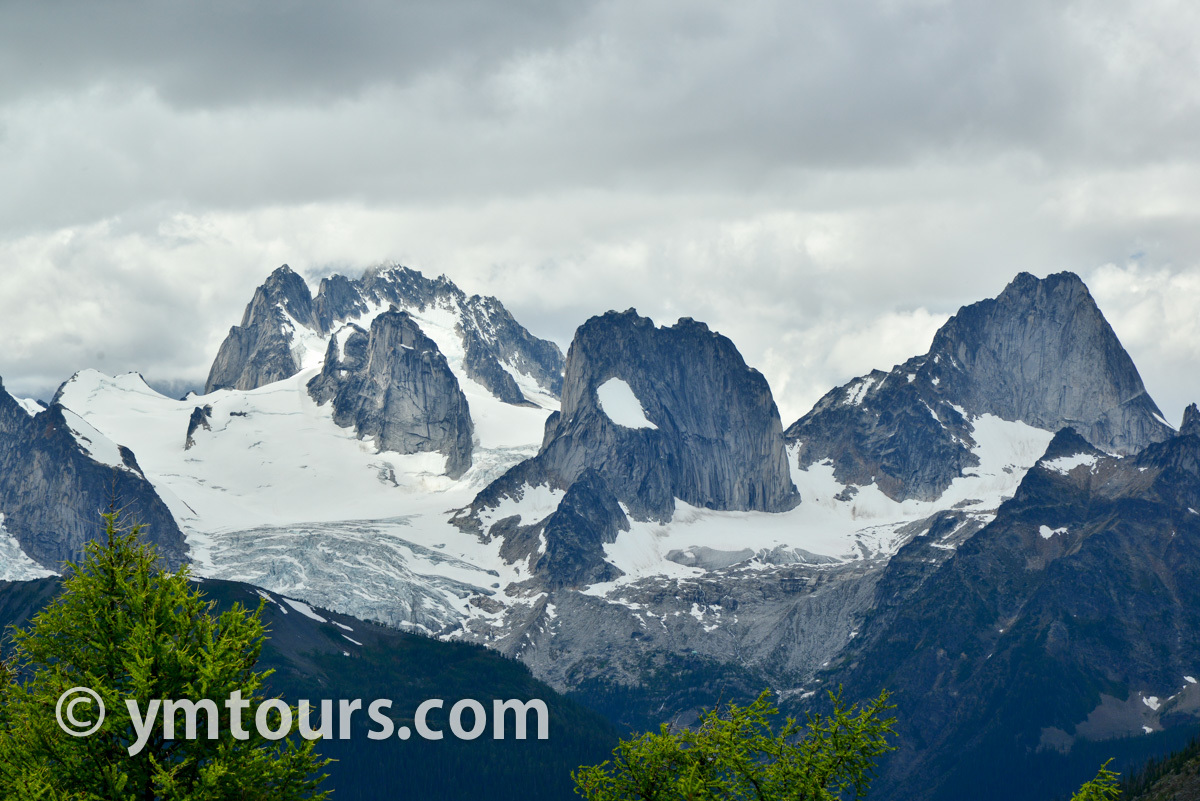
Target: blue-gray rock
{"x": 1041, "y": 353}
{"x": 199, "y": 419}
{"x": 52, "y": 491}
{"x": 1191, "y": 421}
{"x": 1066, "y": 621}
{"x": 393, "y": 384}
{"x": 716, "y": 442}
{"x": 259, "y": 351}
{"x": 568, "y": 546}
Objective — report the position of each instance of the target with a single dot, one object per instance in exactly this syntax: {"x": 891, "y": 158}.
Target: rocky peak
{"x": 57, "y": 472}
{"x": 394, "y": 385}
{"x": 649, "y": 415}
{"x": 259, "y": 351}
{"x": 13, "y": 417}
{"x": 407, "y": 287}
{"x": 337, "y": 299}
{"x": 286, "y": 290}
{"x": 1191, "y": 422}
{"x": 1067, "y": 442}
{"x": 713, "y": 437}
{"x": 493, "y": 345}
{"x": 1040, "y": 353}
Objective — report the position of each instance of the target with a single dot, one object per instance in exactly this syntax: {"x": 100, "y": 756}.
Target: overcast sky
{"x": 824, "y": 182}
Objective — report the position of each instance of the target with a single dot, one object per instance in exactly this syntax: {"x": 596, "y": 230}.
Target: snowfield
{"x": 277, "y": 495}
{"x": 866, "y": 525}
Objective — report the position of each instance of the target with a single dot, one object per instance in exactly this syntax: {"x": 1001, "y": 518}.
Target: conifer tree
{"x": 1105, "y": 787}
{"x": 735, "y": 754}
{"x": 129, "y": 630}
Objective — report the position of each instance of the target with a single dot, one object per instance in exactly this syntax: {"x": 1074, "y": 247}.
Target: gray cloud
{"x": 824, "y": 182}
{"x": 237, "y": 108}
{"x": 223, "y": 53}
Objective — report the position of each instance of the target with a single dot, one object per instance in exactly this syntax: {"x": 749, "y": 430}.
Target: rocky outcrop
{"x": 1064, "y": 622}
{"x": 393, "y": 385}
{"x": 714, "y": 440}
{"x": 55, "y": 482}
{"x": 1191, "y": 421}
{"x": 711, "y": 435}
{"x": 1040, "y": 353}
{"x": 259, "y": 351}
{"x": 588, "y": 517}
{"x": 493, "y": 345}
{"x": 1043, "y": 353}
{"x": 493, "y": 339}
{"x": 199, "y": 419}
{"x": 566, "y": 548}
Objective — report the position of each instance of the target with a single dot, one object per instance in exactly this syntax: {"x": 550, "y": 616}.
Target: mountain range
{"x": 1002, "y": 530}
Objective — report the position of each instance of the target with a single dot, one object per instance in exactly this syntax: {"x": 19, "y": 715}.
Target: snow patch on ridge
{"x": 95, "y": 444}
{"x": 305, "y": 610}
{"x": 31, "y": 406}
{"x": 532, "y": 505}
{"x": 856, "y": 393}
{"x": 1065, "y": 464}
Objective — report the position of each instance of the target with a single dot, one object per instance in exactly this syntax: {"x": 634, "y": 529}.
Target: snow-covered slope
{"x": 276, "y": 494}
{"x": 268, "y": 489}
{"x": 830, "y": 520}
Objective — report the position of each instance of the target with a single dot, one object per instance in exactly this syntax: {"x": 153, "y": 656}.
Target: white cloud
{"x": 1154, "y": 312}
{"x": 821, "y": 182}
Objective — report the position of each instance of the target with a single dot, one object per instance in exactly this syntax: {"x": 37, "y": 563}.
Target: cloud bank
{"x": 823, "y": 182}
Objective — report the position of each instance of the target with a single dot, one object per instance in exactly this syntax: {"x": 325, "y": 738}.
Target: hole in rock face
{"x": 621, "y": 405}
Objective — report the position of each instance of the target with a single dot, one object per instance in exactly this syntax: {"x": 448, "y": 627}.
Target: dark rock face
{"x": 491, "y": 336}
{"x": 52, "y": 491}
{"x": 1191, "y": 421}
{"x": 716, "y": 443}
{"x": 394, "y": 385}
{"x": 566, "y": 548}
{"x": 259, "y": 351}
{"x": 199, "y": 419}
{"x": 588, "y": 517}
{"x": 1045, "y": 632}
{"x": 883, "y": 429}
{"x": 1041, "y": 353}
